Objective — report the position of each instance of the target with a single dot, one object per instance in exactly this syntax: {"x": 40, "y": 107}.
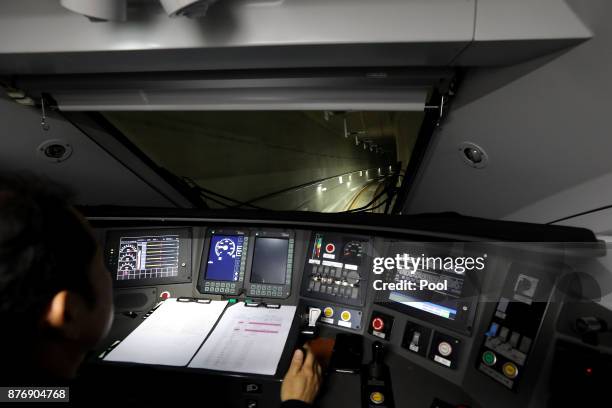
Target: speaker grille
{"x": 135, "y": 299}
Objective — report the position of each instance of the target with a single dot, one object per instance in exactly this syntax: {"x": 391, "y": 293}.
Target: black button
{"x": 251, "y": 404}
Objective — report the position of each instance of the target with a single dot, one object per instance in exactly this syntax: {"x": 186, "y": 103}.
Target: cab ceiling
{"x": 250, "y": 34}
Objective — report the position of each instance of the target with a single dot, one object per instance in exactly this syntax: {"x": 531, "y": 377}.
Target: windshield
{"x": 280, "y": 160}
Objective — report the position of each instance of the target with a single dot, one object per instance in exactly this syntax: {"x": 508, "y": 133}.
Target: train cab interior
{"x": 418, "y": 190}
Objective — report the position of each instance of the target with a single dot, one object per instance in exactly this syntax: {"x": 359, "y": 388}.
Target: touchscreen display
{"x": 442, "y": 302}
{"x": 148, "y": 257}
{"x": 224, "y": 257}
{"x": 270, "y": 260}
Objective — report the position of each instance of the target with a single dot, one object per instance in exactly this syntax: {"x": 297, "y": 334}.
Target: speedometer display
{"x": 352, "y": 252}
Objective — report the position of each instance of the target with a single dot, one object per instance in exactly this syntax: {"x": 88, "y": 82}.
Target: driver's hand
{"x": 303, "y": 378}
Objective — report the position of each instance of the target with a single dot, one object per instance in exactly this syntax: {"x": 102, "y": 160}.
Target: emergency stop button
{"x": 378, "y": 324}
{"x": 164, "y": 295}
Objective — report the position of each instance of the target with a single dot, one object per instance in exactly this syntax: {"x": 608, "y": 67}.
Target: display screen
{"x": 270, "y": 260}
{"x": 224, "y": 257}
{"x": 429, "y": 307}
{"x": 148, "y": 257}
{"x": 442, "y": 303}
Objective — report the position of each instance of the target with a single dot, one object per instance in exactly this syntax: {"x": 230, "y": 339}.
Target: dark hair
{"x": 44, "y": 248}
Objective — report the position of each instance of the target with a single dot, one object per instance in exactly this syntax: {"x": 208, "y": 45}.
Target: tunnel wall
{"x": 247, "y": 155}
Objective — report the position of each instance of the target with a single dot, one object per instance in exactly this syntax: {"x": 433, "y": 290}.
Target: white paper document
{"x": 247, "y": 340}
{"x": 171, "y": 335}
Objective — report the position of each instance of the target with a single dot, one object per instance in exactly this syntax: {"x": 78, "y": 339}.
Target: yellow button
{"x": 345, "y": 315}
{"x": 377, "y": 397}
{"x": 328, "y": 312}
{"x": 510, "y": 370}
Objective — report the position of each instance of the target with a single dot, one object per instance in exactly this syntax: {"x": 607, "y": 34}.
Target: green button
{"x": 489, "y": 358}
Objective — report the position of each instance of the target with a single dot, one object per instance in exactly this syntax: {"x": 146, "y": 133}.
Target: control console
{"x": 336, "y": 268}
{"x": 336, "y": 277}
{"x": 514, "y": 326}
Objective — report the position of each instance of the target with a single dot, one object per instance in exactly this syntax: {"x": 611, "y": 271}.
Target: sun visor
{"x": 286, "y": 98}
{"x": 386, "y": 91}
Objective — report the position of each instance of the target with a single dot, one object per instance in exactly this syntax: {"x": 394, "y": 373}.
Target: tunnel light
{"x": 350, "y": 177}
{"x": 320, "y": 188}
{"x": 346, "y": 132}
{"x": 361, "y": 173}
{"x": 340, "y": 179}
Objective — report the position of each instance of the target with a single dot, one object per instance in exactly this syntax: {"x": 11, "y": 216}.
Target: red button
{"x": 164, "y": 295}
{"x": 330, "y": 248}
{"x": 378, "y": 324}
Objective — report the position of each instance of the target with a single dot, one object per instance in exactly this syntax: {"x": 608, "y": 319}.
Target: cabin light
{"x": 55, "y": 150}
{"x": 473, "y": 155}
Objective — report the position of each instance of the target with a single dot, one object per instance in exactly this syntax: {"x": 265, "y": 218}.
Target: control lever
{"x": 376, "y": 390}
{"x": 377, "y": 366}
{"x": 311, "y": 330}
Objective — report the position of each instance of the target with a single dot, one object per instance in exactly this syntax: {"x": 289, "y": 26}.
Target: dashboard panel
{"x": 485, "y": 326}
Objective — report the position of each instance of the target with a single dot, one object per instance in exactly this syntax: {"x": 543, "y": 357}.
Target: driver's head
{"x": 55, "y": 293}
